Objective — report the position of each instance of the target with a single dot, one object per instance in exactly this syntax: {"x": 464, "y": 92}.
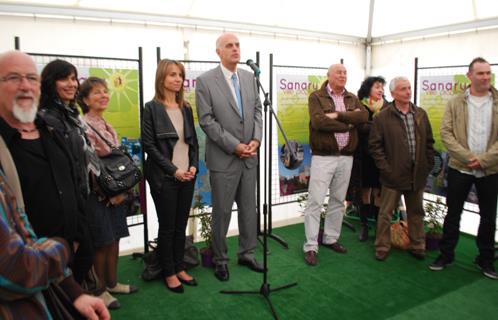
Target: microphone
{"x": 254, "y": 67}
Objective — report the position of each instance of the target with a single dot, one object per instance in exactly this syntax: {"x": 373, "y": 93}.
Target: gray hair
{"x": 218, "y": 41}
{"x": 394, "y": 81}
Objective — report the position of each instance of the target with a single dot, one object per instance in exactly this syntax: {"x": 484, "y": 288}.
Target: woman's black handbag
{"x": 118, "y": 173}
{"x": 153, "y": 270}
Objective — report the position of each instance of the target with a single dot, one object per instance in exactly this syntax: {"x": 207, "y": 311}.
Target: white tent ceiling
{"x": 347, "y": 20}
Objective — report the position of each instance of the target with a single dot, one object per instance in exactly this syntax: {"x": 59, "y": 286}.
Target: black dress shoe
{"x": 178, "y": 289}
{"x": 251, "y": 264}
{"x": 221, "y": 272}
{"x": 190, "y": 282}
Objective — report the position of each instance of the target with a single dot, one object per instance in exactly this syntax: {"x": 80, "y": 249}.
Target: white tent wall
{"x": 90, "y": 38}
{"x": 398, "y": 59}
{"x": 395, "y": 59}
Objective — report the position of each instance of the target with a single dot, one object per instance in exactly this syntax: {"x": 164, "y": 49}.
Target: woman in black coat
{"x": 58, "y": 111}
{"x": 371, "y": 95}
{"x": 170, "y": 141}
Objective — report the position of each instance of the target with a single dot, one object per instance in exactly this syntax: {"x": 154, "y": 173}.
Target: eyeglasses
{"x": 16, "y": 78}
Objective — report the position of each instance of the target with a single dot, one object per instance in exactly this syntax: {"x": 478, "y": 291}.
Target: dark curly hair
{"x": 55, "y": 70}
{"x": 367, "y": 85}
{"x": 85, "y": 89}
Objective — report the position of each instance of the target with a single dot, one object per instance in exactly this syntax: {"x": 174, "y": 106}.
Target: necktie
{"x": 236, "y": 86}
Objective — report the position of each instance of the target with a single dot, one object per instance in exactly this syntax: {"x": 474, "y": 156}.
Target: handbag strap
{"x": 11, "y": 172}
{"x": 101, "y": 136}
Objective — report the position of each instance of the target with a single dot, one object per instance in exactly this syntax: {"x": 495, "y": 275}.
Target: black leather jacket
{"x": 159, "y": 138}
{"x": 64, "y": 121}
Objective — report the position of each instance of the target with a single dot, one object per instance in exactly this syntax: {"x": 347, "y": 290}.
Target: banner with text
{"x": 123, "y": 111}
{"x": 202, "y": 192}
{"x": 292, "y": 110}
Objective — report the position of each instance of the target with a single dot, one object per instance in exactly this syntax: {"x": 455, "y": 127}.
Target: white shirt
{"x": 479, "y": 125}
{"x": 228, "y": 77}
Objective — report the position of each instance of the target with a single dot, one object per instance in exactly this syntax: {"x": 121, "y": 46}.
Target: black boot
{"x": 375, "y": 213}
{"x": 364, "y": 210}
{"x": 363, "y": 233}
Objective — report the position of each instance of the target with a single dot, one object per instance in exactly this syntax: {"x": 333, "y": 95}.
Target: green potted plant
{"x": 201, "y": 212}
{"x": 435, "y": 212}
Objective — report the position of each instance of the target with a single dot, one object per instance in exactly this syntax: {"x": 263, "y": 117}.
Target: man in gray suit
{"x": 229, "y": 111}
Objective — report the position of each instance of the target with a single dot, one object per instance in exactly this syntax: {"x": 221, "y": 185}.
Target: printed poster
{"x": 202, "y": 192}
{"x": 292, "y": 110}
{"x": 123, "y": 111}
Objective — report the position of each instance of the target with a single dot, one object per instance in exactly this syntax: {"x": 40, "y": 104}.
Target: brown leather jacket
{"x": 389, "y": 148}
{"x": 322, "y": 128}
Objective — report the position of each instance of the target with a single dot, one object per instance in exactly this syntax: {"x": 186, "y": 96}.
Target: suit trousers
{"x": 330, "y": 173}
{"x": 459, "y": 185}
{"x": 389, "y": 199}
{"x": 173, "y": 204}
{"x": 239, "y": 185}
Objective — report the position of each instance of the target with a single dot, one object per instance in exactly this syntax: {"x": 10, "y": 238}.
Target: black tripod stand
{"x": 265, "y": 289}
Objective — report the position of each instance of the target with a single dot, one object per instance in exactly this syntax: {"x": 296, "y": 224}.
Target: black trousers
{"x": 459, "y": 185}
{"x": 173, "y": 204}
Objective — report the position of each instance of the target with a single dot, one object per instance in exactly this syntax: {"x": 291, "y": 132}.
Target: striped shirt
{"x": 341, "y": 137}
{"x": 27, "y": 265}
{"x": 409, "y": 122}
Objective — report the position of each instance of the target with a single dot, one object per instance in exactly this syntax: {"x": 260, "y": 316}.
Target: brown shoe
{"x": 418, "y": 254}
{"x": 310, "y": 258}
{"x": 381, "y": 255}
{"x": 337, "y": 247}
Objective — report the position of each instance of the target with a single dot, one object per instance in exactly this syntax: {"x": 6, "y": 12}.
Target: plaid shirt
{"x": 409, "y": 122}
{"x": 341, "y": 137}
{"x": 27, "y": 264}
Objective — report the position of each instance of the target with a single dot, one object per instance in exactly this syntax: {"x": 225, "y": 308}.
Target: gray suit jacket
{"x": 219, "y": 117}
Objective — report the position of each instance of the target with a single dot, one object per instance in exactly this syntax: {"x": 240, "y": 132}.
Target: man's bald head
{"x": 337, "y": 76}
{"x": 9, "y": 57}
{"x": 223, "y": 37}
{"x": 19, "y": 87}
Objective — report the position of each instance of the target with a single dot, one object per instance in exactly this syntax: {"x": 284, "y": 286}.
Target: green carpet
{"x": 349, "y": 286}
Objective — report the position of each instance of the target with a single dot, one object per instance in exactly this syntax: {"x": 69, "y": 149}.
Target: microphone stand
{"x": 268, "y": 156}
{"x": 265, "y": 289}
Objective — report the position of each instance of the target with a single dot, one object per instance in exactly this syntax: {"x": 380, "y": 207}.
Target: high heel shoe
{"x": 177, "y": 289}
{"x": 190, "y": 282}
